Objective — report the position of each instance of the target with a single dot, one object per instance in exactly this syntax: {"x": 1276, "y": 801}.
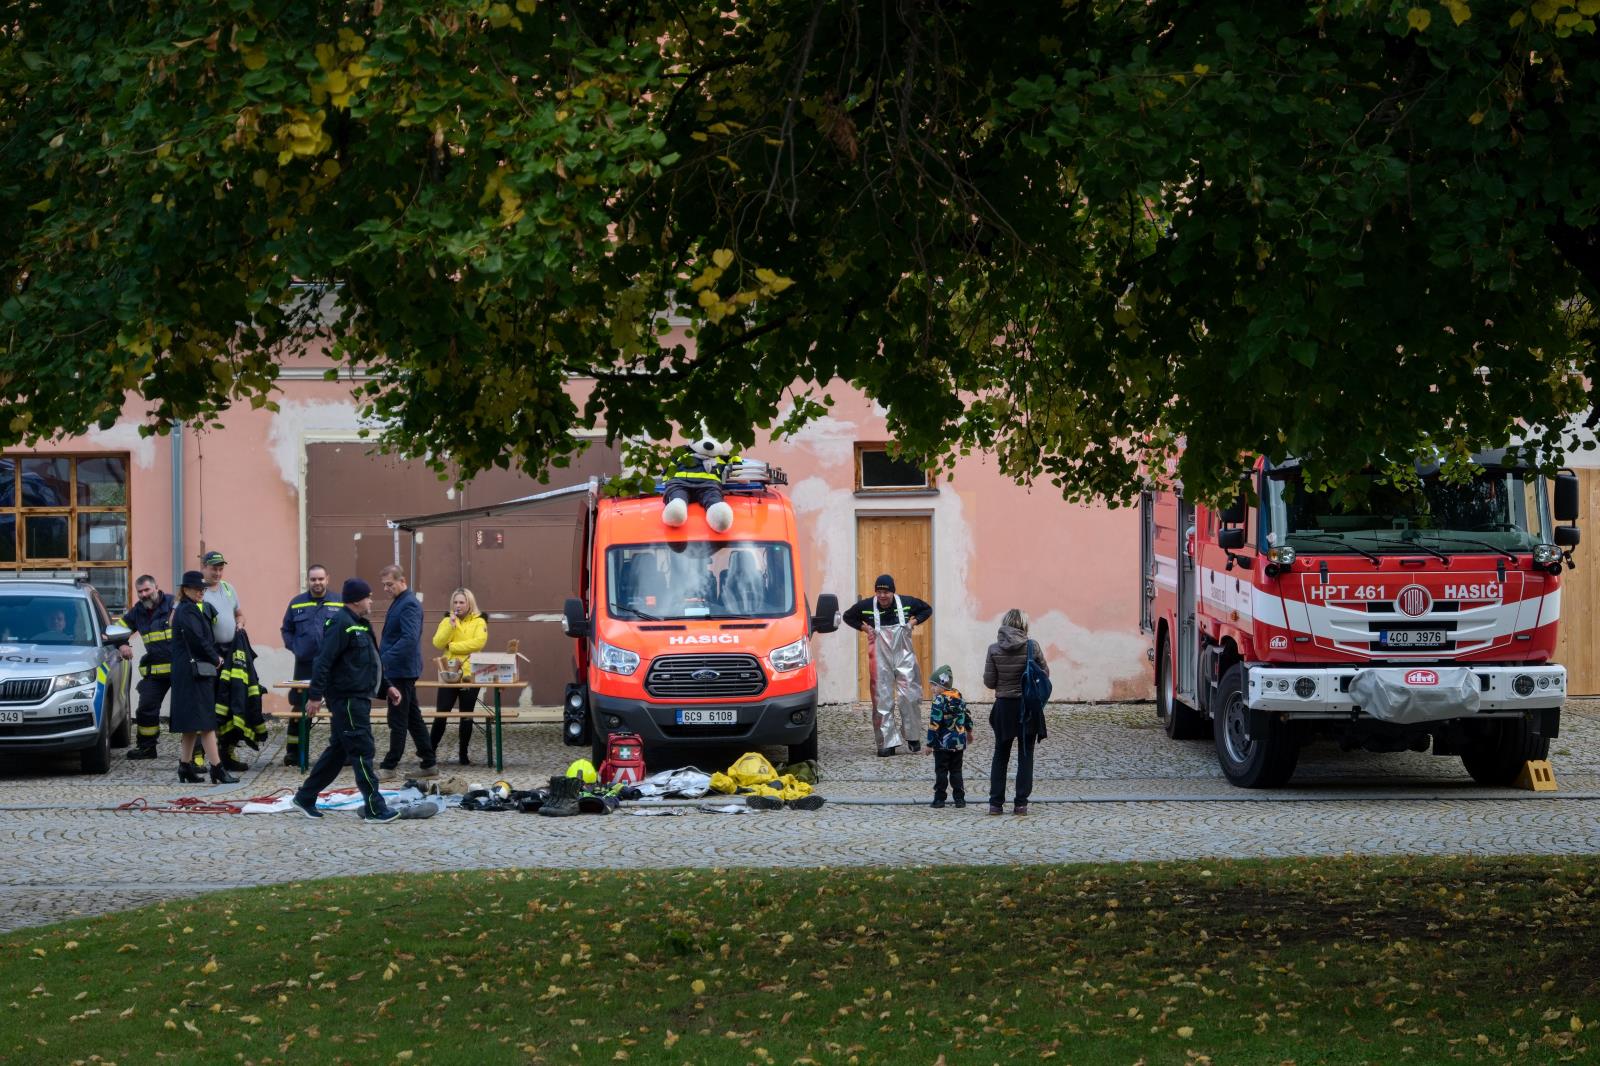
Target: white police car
{"x": 63, "y": 686}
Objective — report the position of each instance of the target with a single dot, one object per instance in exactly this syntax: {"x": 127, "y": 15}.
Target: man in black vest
{"x": 151, "y": 618}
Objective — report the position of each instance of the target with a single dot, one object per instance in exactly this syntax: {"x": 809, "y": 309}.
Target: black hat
{"x": 355, "y": 590}
{"x": 885, "y": 582}
{"x": 213, "y": 559}
{"x": 192, "y": 579}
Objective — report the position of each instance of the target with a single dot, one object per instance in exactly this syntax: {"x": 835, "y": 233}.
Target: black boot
{"x": 231, "y": 763}
{"x": 143, "y": 751}
{"x": 187, "y": 771}
{"x": 563, "y": 799}
{"x": 220, "y": 775}
{"x": 291, "y": 756}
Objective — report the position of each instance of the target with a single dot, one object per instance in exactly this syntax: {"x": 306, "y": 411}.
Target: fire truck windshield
{"x": 700, "y": 579}
{"x": 1499, "y": 511}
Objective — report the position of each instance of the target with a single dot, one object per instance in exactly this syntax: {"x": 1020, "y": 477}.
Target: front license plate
{"x": 708, "y": 716}
{"x": 1411, "y": 638}
{"x": 73, "y": 708}
{"x": 10, "y": 717}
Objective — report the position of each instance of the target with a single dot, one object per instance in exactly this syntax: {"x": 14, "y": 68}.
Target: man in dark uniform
{"x": 349, "y": 673}
{"x": 303, "y": 625}
{"x": 151, "y": 618}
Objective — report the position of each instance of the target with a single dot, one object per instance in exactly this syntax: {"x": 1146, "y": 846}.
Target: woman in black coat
{"x": 195, "y": 666}
{"x": 1002, "y": 671}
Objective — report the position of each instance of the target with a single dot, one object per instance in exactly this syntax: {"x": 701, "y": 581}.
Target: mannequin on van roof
{"x": 696, "y": 476}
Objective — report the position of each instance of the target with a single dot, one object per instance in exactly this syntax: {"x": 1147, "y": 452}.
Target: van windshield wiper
{"x": 1480, "y": 544}
{"x": 1337, "y": 538}
{"x": 635, "y": 612}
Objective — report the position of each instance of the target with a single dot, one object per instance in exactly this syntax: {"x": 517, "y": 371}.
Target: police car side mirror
{"x": 574, "y": 623}
{"x": 826, "y": 618}
{"x": 118, "y": 635}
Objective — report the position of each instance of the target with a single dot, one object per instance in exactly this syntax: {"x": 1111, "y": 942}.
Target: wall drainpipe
{"x": 178, "y": 554}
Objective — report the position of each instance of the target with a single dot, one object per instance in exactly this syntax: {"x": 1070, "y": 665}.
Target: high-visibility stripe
{"x": 313, "y": 603}
{"x": 357, "y": 629}
{"x": 151, "y": 669}
{"x": 149, "y": 731}
{"x": 698, "y": 475}
{"x": 156, "y": 636}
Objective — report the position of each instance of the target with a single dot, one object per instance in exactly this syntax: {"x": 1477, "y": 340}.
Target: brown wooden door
{"x": 903, "y": 547}
{"x": 1580, "y": 596}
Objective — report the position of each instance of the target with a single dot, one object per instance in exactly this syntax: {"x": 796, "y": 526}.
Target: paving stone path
{"x": 1109, "y": 786}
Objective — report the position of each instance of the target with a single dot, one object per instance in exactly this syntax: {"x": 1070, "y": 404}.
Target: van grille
{"x": 46, "y": 727}
{"x": 24, "y": 690}
{"x": 672, "y": 677}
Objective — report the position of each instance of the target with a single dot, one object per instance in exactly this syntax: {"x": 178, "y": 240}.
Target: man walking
{"x": 401, "y": 652}
{"x": 151, "y": 618}
{"x": 349, "y": 673}
{"x": 892, "y": 668}
{"x": 225, "y": 601}
{"x": 303, "y": 626}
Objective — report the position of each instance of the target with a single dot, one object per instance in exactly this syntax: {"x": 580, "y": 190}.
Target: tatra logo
{"x": 1278, "y": 642}
{"x": 1413, "y": 600}
{"x": 1422, "y": 677}
{"x": 705, "y": 638}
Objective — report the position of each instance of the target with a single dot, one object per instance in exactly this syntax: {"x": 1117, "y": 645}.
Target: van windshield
{"x": 700, "y": 579}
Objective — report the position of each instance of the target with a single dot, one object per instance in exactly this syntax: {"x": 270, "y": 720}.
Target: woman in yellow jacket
{"x": 461, "y": 632}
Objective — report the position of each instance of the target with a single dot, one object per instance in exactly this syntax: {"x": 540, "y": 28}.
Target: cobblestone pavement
{"x": 1109, "y": 786}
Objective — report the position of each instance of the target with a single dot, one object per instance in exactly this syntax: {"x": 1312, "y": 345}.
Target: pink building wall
{"x": 996, "y": 545}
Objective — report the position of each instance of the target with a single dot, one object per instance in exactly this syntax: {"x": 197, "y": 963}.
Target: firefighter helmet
{"x": 584, "y": 770}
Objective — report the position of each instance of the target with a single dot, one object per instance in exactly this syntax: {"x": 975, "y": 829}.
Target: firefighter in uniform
{"x": 239, "y": 695}
{"x": 224, "y": 600}
{"x": 151, "y": 618}
{"x": 303, "y": 626}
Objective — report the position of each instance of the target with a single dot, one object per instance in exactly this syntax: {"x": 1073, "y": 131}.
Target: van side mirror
{"x": 826, "y": 618}
{"x": 1567, "y": 536}
{"x": 1231, "y": 539}
{"x": 574, "y": 623}
{"x": 1566, "y": 498}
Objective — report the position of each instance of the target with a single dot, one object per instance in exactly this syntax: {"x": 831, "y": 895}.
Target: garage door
{"x": 518, "y": 566}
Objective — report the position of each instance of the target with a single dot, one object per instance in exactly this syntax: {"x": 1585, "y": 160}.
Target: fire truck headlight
{"x": 1544, "y": 680}
{"x": 1283, "y": 555}
{"x": 1283, "y": 684}
{"x": 616, "y": 660}
{"x": 1305, "y": 688}
{"x": 1523, "y": 685}
{"x": 1546, "y": 554}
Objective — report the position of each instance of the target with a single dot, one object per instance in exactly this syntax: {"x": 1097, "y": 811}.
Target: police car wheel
{"x": 122, "y": 735}
{"x": 96, "y": 759}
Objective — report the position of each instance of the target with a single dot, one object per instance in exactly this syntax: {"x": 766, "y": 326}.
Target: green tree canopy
{"x": 1090, "y": 236}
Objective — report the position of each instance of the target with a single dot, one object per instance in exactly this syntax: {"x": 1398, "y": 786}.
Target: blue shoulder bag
{"x": 1036, "y": 687}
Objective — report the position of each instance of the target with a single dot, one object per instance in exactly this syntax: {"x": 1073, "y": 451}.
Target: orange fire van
{"x": 687, "y": 636}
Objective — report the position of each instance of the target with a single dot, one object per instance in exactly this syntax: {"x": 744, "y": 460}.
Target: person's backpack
{"x": 1036, "y": 687}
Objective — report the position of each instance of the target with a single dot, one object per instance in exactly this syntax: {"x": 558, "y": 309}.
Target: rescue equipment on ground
{"x": 624, "y": 761}
{"x": 584, "y": 769}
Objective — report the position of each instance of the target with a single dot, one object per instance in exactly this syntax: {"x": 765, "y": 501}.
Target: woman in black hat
{"x": 195, "y": 665}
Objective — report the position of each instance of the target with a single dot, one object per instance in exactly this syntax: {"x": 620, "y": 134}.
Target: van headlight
{"x": 615, "y": 660}
{"x": 791, "y": 656}
{"x": 82, "y": 677}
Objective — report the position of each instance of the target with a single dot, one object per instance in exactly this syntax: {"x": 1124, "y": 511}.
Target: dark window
{"x": 878, "y": 471}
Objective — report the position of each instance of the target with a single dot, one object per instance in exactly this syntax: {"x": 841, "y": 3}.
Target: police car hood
{"x": 35, "y": 660}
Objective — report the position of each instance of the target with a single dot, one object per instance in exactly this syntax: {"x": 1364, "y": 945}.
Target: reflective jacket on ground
{"x": 154, "y": 626}
{"x": 304, "y": 622}
{"x": 348, "y": 664}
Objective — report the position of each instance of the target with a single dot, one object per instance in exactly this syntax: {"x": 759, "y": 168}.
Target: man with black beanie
{"x": 892, "y": 669}
{"x": 349, "y": 673}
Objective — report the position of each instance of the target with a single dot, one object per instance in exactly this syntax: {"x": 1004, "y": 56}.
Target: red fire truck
{"x": 1386, "y": 619}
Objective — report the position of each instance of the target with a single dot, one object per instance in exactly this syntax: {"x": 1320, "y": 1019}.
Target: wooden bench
{"x": 491, "y": 716}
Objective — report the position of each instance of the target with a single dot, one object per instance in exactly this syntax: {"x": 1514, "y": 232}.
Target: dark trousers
{"x": 406, "y": 717}
{"x": 297, "y": 701}
{"x": 350, "y": 744}
{"x": 947, "y": 773}
{"x": 462, "y": 699}
{"x": 147, "y": 717}
{"x": 1004, "y": 720}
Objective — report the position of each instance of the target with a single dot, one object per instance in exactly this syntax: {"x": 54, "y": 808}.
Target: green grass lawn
{"x": 1312, "y": 961}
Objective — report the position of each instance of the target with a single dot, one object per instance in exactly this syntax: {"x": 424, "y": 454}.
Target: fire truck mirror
{"x": 1233, "y": 514}
{"x": 1567, "y": 536}
{"x": 1566, "y": 498}
{"x": 1231, "y": 539}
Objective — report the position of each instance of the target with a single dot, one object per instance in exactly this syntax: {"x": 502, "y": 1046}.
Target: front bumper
{"x": 770, "y": 721}
{"x": 1274, "y": 689}
{"x": 62, "y": 721}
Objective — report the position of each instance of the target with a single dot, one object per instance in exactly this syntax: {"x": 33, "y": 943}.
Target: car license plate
{"x": 10, "y": 717}
{"x": 73, "y": 708}
{"x": 708, "y": 716}
{"x": 1411, "y": 638}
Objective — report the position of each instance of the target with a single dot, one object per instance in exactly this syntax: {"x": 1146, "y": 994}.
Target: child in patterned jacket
{"x": 949, "y": 729}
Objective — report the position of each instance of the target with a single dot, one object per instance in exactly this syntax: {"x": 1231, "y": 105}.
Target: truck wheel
{"x": 1265, "y": 761}
{"x": 96, "y": 759}
{"x": 1496, "y": 757}
{"x": 1181, "y": 723}
{"x": 806, "y": 749}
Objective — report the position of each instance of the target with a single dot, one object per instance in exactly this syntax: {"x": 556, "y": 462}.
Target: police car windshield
{"x": 46, "y": 619}
{"x": 1499, "y": 510}
{"x": 700, "y": 579}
